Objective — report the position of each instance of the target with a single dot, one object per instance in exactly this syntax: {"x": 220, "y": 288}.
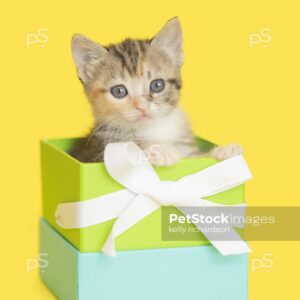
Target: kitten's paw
{"x": 164, "y": 156}
{"x": 225, "y": 152}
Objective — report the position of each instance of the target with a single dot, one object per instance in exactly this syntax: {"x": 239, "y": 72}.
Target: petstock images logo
{"x": 221, "y": 223}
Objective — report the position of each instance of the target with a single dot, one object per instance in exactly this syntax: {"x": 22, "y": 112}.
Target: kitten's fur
{"x": 152, "y": 120}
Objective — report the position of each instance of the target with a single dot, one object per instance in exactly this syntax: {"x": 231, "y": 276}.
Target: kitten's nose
{"x": 141, "y": 106}
{"x": 141, "y": 110}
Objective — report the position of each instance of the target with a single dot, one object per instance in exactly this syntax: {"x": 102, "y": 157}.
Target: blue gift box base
{"x": 169, "y": 274}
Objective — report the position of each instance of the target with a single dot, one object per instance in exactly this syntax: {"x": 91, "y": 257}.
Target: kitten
{"x": 134, "y": 88}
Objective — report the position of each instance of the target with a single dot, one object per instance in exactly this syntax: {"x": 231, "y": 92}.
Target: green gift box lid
{"x": 65, "y": 179}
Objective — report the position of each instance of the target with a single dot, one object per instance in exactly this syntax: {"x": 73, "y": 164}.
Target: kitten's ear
{"x": 169, "y": 38}
{"x": 86, "y": 55}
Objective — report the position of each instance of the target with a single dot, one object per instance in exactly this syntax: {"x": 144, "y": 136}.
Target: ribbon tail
{"x": 231, "y": 247}
{"x": 140, "y": 207}
{"x": 228, "y": 242}
{"x": 236, "y": 211}
{"x": 109, "y": 247}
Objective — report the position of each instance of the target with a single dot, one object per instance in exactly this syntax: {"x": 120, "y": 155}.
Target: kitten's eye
{"x": 119, "y": 91}
{"x": 157, "y": 85}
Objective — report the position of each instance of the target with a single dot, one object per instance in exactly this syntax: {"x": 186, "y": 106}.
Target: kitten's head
{"x": 134, "y": 81}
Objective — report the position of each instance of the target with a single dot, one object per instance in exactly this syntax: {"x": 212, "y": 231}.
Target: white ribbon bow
{"x": 128, "y": 165}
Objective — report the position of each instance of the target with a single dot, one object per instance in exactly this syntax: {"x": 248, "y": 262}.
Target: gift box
{"x": 65, "y": 179}
{"x": 173, "y": 273}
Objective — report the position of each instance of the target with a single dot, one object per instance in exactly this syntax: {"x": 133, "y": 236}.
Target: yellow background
{"x": 232, "y": 92}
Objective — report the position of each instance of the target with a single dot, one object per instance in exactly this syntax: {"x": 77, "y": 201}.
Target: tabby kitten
{"x": 133, "y": 88}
